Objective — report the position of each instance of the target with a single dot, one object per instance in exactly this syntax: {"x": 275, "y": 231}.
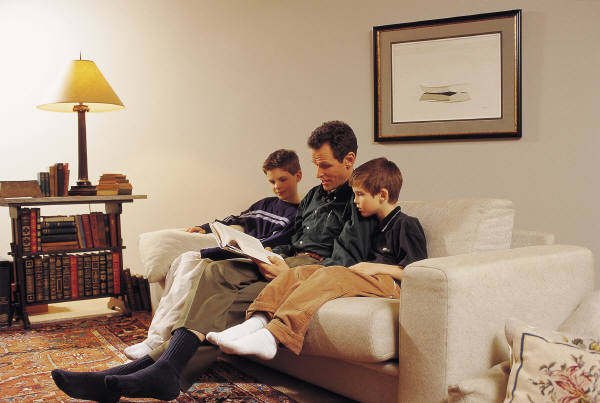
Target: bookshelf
{"x": 23, "y": 254}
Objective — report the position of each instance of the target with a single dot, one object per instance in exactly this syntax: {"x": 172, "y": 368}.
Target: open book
{"x": 238, "y": 242}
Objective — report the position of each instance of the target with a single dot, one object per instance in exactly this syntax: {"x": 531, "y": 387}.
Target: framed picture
{"x": 452, "y": 78}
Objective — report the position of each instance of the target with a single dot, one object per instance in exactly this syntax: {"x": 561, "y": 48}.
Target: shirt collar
{"x": 382, "y": 226}
{"x": 342, "y": 191}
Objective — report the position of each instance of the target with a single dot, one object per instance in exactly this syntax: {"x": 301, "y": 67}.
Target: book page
{"x": 239, "y": 242}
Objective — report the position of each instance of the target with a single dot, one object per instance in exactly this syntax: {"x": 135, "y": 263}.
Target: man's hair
{"x": 284, "y": 159}
{"x": 377, "y": 174}
{"x": 338, "y": 135}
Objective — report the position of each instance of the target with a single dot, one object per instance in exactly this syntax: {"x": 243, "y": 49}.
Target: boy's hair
{"x": 284, "y": 159}
{"x": 377, "y": 174}
{"x": 338, "y": 134}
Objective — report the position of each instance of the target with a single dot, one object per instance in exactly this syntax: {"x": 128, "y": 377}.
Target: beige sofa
{"x": 448, "y": 324}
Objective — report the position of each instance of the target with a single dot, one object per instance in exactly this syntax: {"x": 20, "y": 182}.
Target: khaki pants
{"x": 292, "y": 298}
{"x": 218, "y": 299}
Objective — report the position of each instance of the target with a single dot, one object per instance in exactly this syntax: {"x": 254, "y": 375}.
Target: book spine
{"x": 66, "y": 268}
{"x": 59, "y": 238}
{"x": 58, "y": 230}
{"x": 60, "y": 182}
{"x": 80, "y": 233}
{"x": 80, "y": 276}
{"x": 136, "y": 293}
{"x": 116, "y": 266}
{"x": 107, "y": 240}
{"x": 103, "y": 275}
{"x": 46, "y": 271}
{"x": 26, "y": 230}
{"x": 33, "y": 230}
{"x": 66, "y": 179}
{"x": 5, "y": 267}
{"x": 95, "y": 275}
{"x": 52, "y": 180}
{"x": 143, "y": 293}
{"x": 112, "y": 220}
{"x": 59, "y": 278}
{"x": 87, "y": 229}
{"x": 129, "y": 287}
{"x": 52, "y": 275}
{"x": 74, "y": 277}
{"x": 101, "y": 231}
{"x": 110, "y": 281}
{"x": 94, "y": 227}
{"x": 29, "y": 280}
{"x": 38, "y": 272}
{"x": 87, "y": 275}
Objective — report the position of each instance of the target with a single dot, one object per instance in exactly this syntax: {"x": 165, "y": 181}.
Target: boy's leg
{"x": 292, "y": 319}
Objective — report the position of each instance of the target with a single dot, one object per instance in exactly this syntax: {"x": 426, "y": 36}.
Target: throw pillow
{"x": 549, "y": 366}
{"x": 158, "y": 249}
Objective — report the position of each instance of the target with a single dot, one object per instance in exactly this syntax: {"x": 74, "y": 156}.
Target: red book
{"x": 116, "y": 273}
{"x": 33, "y": 231}
{"x": 87, "y": 230}
{"x": 112, "y": 219}
{"x": 74, "y": 285}
{"x": 66, "y": 179}
{"x": 101, "y": 230}
{"x": 94, "y": 227}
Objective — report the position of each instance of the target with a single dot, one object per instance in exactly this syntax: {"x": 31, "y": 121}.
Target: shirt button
{"x": 307, "y": 227}
{"x": 300, "y": 242}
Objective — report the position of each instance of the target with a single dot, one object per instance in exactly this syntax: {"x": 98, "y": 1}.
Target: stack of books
{"x": 55, "y": 182}
{"x": 113, "y": 184}
{"x": 137, "y": 289}
{"x": 58, "y": 233}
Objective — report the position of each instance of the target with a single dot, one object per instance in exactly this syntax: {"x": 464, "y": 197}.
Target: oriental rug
{"x": 28, "y": 356}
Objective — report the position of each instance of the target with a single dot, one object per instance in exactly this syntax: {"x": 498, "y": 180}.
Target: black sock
{"x": 90, "y": 385}
{"x": 160, "y": 380}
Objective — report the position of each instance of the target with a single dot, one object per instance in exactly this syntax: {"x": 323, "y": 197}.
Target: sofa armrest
{"x": 453, "y": 310}
{"x": 521, "y": 238}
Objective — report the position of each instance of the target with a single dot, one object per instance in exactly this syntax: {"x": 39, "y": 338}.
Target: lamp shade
{"x": 82, "y": 83}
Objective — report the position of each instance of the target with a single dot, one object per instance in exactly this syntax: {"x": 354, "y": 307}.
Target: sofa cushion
{"x": 355, "y": 329}
{"x": 454, "y": 227}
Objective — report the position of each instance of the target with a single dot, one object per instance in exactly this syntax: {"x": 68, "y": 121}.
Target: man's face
{"x": 283, "y": 183}
{"x": 331, "y": 172}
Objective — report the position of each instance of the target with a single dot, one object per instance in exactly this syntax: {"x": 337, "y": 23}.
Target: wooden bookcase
{"x": 112, "y": 205}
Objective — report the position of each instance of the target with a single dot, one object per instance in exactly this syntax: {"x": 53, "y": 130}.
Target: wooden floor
{"x": 294, "y": 388}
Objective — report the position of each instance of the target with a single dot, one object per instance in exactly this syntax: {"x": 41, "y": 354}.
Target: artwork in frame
{"x": 451, "y": 78}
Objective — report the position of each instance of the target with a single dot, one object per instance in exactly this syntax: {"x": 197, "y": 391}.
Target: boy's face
{"x": 283, "y": 183}
{"x": 366, "y": 203}
{"x": 331, "y": 172}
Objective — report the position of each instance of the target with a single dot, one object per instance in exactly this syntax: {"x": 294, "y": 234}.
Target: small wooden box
{"x": 20, "y": 189}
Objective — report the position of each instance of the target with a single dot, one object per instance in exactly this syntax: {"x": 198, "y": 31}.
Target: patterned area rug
{"x": 28, "y": 356}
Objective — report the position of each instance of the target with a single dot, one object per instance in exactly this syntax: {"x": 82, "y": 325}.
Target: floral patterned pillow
{"x": 549, "y": 366}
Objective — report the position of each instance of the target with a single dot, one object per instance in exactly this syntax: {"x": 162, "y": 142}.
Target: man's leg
{"x": 206, "y": 309}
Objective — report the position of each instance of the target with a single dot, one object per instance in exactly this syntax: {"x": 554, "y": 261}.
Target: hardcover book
{"x": 29, "y": 280}
{"x": 240, "y": 243}
{"x": 5, "y": 314}
{"x": 66, "y": 269}
{"x": 38, "y": 272}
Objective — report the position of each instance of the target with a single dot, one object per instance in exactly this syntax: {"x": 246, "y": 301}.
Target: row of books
{"x": 55, "y": 182}
{"x": 137, "y": 291}
{"x": 45, "y": 234}
{"x": 63, "y": 277}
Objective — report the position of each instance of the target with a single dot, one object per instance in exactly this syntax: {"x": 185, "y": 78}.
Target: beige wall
{"x": 211, "y": 87}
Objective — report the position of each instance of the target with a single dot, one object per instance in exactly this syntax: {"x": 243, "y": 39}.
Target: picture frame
{"x": 447, "y": 79}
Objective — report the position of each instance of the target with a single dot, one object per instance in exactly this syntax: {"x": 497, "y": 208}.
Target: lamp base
{"x": 83, "y": 189}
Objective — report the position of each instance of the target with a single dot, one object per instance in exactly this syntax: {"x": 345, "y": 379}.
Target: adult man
{"x": 328, "y": 230}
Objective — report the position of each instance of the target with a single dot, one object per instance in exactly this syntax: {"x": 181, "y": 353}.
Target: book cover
{"x": 5, "y": 314}
{"x": 110, "y": 282}
{"x": 80, "y": 233}
{"x": 26, "y": 230}
{"x": 29, "y": 280}
{"x": 95, "y": 275}
{"x": 87, "y": 275}
{"x": 116, "y": 266}
{"x": 66, "y": 269}
{"x": 101, "y": 230}
{"x": 33, "y": 229}
{"x": 103, "y": 276}
{"x": 52, "y": 276}
{"x": 59, "y": 278}
{"x": 74, "y": 277}
{"x": 46, "y": 274}
{"x": 38, "y": 272}
{"x": 112, "y": 222}
{"x": 87, "y": 229}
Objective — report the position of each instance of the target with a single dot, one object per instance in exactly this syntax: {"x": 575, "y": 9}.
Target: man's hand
{"x": 199, "y": 230}
{"x": 270, "y": 271}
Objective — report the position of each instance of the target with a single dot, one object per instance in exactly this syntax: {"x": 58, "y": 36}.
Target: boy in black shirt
{"x": 283, "y": 310}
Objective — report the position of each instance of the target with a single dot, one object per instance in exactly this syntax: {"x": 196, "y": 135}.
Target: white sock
{"x": 261, "y": 343}
{"x": 254, "y": 323}
{"x": 137, "y": 351}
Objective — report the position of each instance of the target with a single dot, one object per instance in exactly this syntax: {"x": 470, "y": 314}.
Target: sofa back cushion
{"x": 453, "y": 227}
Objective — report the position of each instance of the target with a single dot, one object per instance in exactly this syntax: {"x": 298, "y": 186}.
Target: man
{"x": 327, "y": 230}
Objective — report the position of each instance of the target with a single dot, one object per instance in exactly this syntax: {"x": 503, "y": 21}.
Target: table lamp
{"x": 82, "y": 88}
